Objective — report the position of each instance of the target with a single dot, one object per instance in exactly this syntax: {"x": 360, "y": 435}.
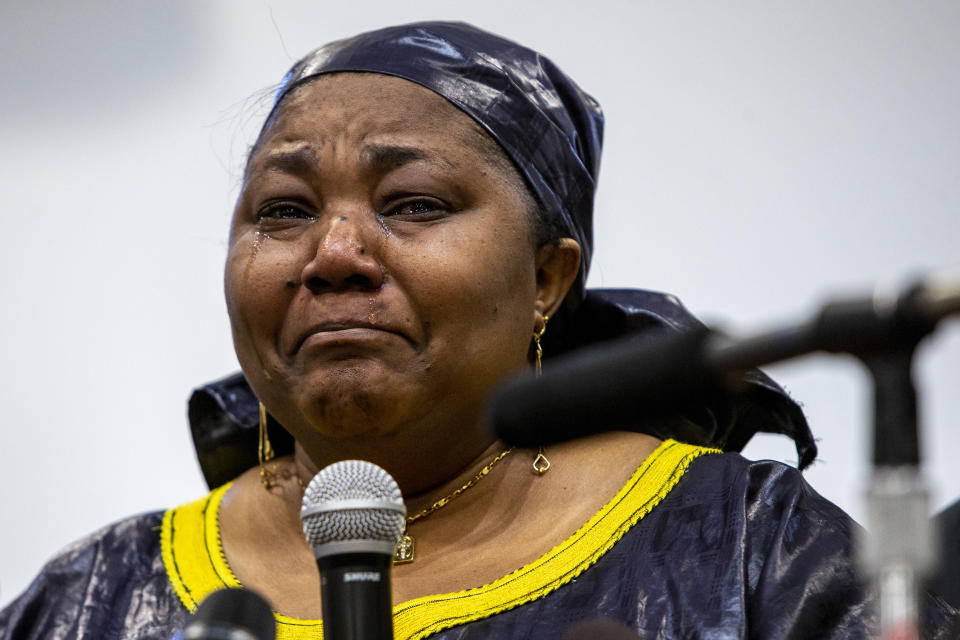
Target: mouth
{"x": 333, "y": 333}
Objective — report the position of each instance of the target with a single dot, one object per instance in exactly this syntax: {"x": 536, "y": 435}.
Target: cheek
{"x": 478, "y": 293}
{"x": 255, "y": 287}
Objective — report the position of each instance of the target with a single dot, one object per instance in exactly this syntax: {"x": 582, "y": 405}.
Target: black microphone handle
{"x": 356, "y": 596}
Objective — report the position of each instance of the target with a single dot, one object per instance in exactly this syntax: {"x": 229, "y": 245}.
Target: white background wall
{"x": 759, "y": 156}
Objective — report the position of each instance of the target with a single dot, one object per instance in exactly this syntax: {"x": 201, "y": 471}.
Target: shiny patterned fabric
{"x": 737, "y": 549}
{"x": 109, "y": 585}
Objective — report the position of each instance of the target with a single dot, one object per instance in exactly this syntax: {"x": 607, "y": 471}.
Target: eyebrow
{"x": 385, "y": 157}
{"x": 301, "y": 161}
{"x": 379, "y": 158}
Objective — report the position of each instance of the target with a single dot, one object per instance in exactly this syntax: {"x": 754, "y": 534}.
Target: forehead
{"x": 367, "y": 108}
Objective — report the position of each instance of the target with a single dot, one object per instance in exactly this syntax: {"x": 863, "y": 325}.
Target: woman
{"x": 415, "y": 209}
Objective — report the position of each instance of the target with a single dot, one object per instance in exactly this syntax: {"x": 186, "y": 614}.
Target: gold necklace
{"x": 404, "y": 551}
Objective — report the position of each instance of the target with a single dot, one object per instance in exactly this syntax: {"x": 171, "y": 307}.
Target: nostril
{"x": 318, "y": 285}
{"x": 360, "y": 281}
{"x": 356, "y": 281}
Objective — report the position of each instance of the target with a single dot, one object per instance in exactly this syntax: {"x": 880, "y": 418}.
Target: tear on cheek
{"x": 258, "y": 238}
{"x": 383, "y": 225}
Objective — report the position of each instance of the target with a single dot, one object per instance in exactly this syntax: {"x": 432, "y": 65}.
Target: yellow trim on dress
{"x": 196, "y": 565}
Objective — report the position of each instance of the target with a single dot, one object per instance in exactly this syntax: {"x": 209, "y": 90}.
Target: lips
{"x": 343, "y": 329}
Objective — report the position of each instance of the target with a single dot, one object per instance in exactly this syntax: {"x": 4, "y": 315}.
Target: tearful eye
{"x": 417, "y": 209}
{"x": 277, "y": 211}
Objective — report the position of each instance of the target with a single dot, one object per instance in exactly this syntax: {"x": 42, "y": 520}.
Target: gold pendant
{"x": 403, "y": 552}
{"x": 540, "y": 464}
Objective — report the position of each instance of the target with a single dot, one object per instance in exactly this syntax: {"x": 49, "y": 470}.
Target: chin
{"x": 342, "y": 406}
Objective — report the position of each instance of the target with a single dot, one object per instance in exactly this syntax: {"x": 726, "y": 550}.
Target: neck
{"x": 419, "y": 463}
{"x": 417, "y": 502}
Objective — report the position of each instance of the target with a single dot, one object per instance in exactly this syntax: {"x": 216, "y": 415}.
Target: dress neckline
{"x": 196, "y": 565}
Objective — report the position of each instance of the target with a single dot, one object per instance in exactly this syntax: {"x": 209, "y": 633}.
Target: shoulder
{"x": 763, "y": 489}
{"x": 793, "y": 547}
{"x": 748, "y": 510}
{"x": 97, "y": 586}
{"x": 132, "y": 541}
{"x": 798, "y": 552}
{"x": 779, "y": 516}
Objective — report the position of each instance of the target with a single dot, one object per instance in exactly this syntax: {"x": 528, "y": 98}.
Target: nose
{"x": 342, "y": 261}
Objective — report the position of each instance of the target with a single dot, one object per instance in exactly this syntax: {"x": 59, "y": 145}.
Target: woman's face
{"x": 381, "y": 275}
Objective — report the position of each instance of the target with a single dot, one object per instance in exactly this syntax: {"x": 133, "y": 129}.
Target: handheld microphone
{"x": 232, "y": 614}
{"x": 353, "y": 514}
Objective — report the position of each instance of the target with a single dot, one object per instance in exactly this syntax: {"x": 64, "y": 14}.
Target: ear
{"x": 557, "y": 268}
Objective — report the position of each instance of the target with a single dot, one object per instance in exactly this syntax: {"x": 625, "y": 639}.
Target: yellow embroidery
{"x": 192, "y": 554}
{"x": 196, "y": 566}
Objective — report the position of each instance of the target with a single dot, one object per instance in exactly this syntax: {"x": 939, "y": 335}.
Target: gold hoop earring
{"x": 536, "y": 345}
{"x": 265, "y": 452}
{"x": 540, "y": 463}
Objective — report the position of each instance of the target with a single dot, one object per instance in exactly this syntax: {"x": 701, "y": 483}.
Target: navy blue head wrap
{"x": 552, "y": 131}
{"x": 550, "y": 128}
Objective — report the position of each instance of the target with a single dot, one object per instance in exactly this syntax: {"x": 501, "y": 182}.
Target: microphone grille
{"x": 353, "y": 501}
